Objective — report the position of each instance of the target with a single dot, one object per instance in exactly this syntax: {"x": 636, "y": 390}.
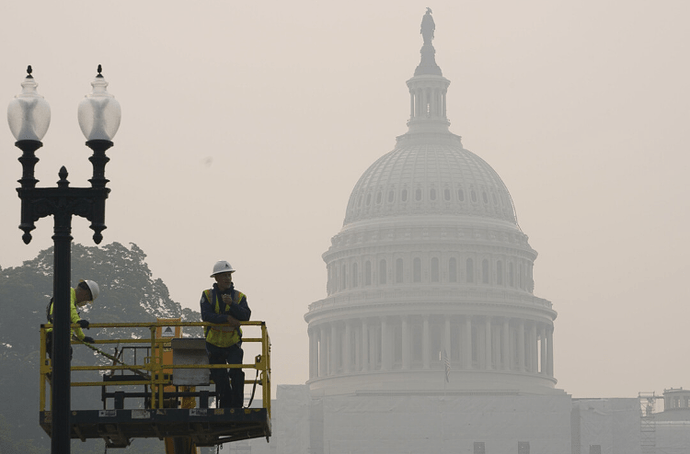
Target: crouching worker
{"x": 227, "y": 307}
{"x": 85, "y": 292}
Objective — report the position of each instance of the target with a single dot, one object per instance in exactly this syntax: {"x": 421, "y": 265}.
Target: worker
{"x": 225, "y": 307}
{"x": 85, "y": 292}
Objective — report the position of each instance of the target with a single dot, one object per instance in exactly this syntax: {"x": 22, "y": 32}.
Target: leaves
{"x": 128, "y": 293}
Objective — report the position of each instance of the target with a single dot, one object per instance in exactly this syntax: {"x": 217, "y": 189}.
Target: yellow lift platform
{"x": 156, "y": 384}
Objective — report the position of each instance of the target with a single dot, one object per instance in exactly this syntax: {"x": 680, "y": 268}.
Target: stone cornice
{"x": 495, "y": 304}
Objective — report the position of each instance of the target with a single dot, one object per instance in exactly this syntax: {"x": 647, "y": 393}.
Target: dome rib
{"x": 418, "y": 173}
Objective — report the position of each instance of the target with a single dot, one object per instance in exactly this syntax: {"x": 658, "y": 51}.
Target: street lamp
{"x": 28, "y": 115}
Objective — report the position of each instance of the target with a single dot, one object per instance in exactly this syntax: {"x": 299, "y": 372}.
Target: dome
{"x": 430, "y": 174}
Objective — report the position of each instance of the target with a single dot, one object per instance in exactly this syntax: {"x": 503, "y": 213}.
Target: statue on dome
{"x": 428, "y": 27}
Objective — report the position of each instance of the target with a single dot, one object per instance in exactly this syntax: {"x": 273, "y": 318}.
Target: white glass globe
{"x": 99, "y": 112}
{"x": 28, "y": 114}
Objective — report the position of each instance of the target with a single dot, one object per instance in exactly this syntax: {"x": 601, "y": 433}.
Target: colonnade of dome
{"x": 424, "y": 341}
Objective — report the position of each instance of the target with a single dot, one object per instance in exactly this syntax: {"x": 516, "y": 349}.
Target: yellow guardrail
{"x": 153, "y": 370}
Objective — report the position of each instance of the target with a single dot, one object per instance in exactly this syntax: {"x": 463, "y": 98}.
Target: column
{"x": 385, "y": 353}
{"x": 446, "y": 346}
{"x": 480, "y": 338}
{"x": 323, "y": 364}
{"x": 365, "y": 345}
{"x": 533, "y": 348}
{"x": 544, "y": 347}
{"x": 411, "y": 104}
{"x": 506, "y": 344}
{"x": 467, "y": 346}
{"x": 444, "y": 103}
{"x": 418, "y": 103}
{"x": 426, "y": 342}
{"x": 405, "y": 343}
{"x": 333, "y": 351}
{"x": 347, "y": 347}
{"x": 549, "y": 342}
{"x": 374, "y": 346}
{"x": 487, "y": 337}
{"x": 313, "y": 352}
{"x": 497, "y": 345}
{"x": 357, "y": 345}
{"x": 521, "y": 346}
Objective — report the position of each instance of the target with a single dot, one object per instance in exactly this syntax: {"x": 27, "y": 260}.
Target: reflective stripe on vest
{"x": 218, "y": 335}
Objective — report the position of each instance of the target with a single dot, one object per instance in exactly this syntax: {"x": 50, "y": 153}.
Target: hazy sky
{"x": 246, "y": 125}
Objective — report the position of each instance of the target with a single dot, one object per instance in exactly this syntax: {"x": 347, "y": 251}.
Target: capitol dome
{"x": 430, "y": 174}
{"x": 430, "y": 273}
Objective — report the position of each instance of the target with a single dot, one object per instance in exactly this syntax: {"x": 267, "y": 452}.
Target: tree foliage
{"x": 128, "y": 293}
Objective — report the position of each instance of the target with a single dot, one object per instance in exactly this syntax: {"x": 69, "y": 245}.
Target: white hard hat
{"x": 93, "y": 287}
{"x": 222, "y": 267}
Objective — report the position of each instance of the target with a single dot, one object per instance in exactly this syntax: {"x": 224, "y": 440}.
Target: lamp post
{"x": 28, "y": 115}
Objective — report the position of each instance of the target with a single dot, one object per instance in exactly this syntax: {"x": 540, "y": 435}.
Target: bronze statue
{"x": 428, "y": 27}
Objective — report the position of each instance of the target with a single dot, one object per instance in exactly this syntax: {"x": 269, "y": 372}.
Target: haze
{"x": 246, "y": 125}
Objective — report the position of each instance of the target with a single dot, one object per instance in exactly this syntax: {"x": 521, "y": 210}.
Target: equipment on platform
{"x": 156, "y": 384}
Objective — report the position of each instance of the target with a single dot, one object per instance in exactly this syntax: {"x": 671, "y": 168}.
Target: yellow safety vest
{"x": 74, "y": 315}
{"x": 218, "y": 335}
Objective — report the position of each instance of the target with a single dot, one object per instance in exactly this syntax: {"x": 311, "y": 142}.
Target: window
{"x": 434, "y": 270}
{"x": 432, "y": 194}
{"x": 485, "y": 271}
{"x": 446, "y": 194}
{"x": 453, "y": 270}
{"x": 511, "y": 275}
{"x": 391, "y": 196}
{"x": 343, "y": 277}
{"x": 399, "y": 271}
{"x": 485, "y": 197}
{"x": 368, "y": 199}
{"x": 417, "y": 270}
{"x": 461, "y": 195}
{"x": 354, "y": 275}
{"x": 404, "y": 195}
{"x": 474, "y": 196}
{"x": 418, "y": 195}
{"x": 367, "y": 273}
{"x": 499, "y": 272}
{"x": 382, "y": 272}
{"x": 469, "y": 270}
{"x": 378, "y": 197}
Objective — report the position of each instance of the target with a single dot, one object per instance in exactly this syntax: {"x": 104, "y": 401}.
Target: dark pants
{"x": 229, "y": 382}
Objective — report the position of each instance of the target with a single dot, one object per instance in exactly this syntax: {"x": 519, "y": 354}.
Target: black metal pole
{"x": 61, "y": 386}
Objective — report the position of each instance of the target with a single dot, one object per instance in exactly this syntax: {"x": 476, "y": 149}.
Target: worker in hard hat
{"x": 85, "y": 292}
{"x": 225, "y": 307}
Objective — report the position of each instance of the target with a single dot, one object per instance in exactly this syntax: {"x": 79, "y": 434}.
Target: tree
{"x": 129, "y": 293}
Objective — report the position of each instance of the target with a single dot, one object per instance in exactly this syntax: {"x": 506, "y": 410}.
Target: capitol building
{"x": 430, "y": 267}
{"x": 430, "y": 338}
